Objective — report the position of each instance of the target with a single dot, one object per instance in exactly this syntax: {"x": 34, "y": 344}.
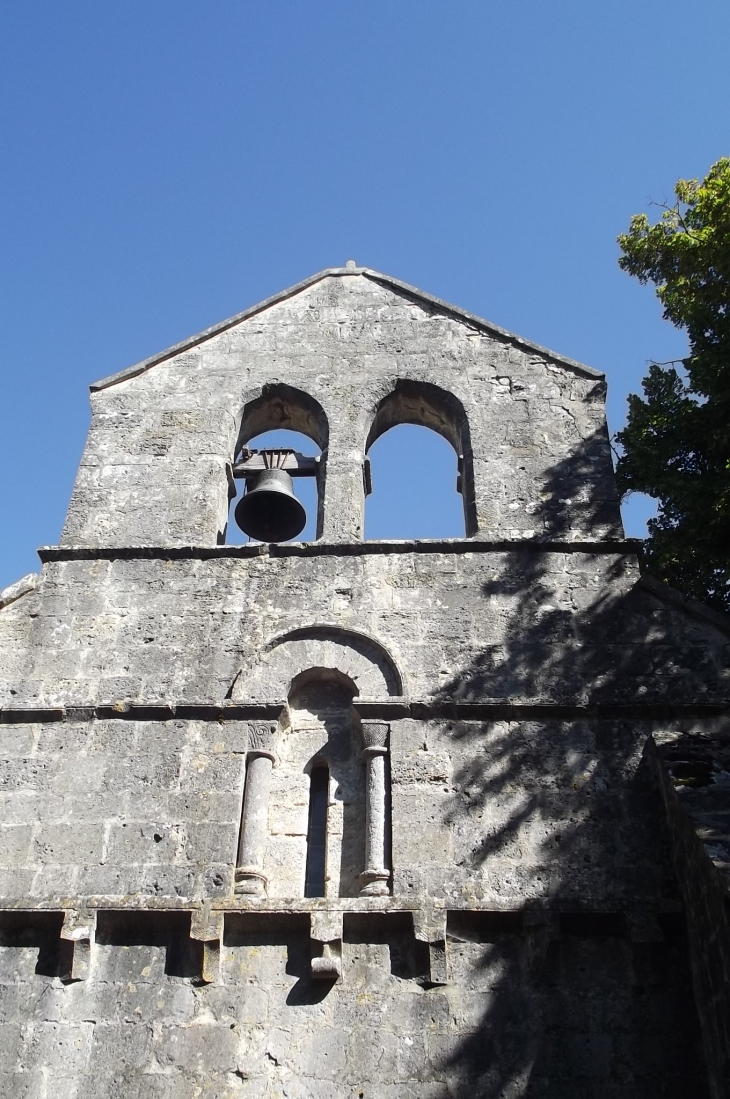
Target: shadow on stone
{"x": 169, "y": 930}
{"x": 36, "y": 930}
{"x": 573, "y": 1004}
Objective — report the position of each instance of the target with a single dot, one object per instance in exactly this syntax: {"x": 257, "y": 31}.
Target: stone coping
{"x": 338, "y": 549}
{"x": 413, "y": 292}
{"x": 389, "y": 710}
{"x": 302, "y": 905}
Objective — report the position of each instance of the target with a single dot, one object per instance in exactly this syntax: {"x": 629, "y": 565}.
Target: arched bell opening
{"x": 413, "y": 474}
{"x": 278, "y": 469}
{"x": 420, "y": 466}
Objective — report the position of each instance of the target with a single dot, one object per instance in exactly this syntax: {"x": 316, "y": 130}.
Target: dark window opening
{"x": 317, "y": 833}
{"x": 414, "y": 475}
{"x": 305, "y": 488}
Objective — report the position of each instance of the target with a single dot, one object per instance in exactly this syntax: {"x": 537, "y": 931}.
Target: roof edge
{"x": 480, "y": 322}
{"x": 336, "y": 272}
{"x": 192, "y": 341}
{"x": 21, "y": 587}
{"x": 685, "y": 603}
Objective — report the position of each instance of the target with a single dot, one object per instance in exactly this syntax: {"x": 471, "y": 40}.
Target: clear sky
{"x": 166, "y": 164}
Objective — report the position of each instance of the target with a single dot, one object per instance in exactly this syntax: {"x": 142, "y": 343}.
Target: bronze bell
{"x": 270, "y": 512}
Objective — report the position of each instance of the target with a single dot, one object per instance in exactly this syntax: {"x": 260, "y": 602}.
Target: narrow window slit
{"x": 317, "y": 833}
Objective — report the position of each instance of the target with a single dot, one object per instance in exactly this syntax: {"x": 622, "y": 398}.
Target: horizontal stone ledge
{"x": 388, "y": 710}
{"x": 565, "y": 711}
{"x": 159, "y": 553}
{"x": 531, "y": 911}
{"x": 432, "y": 921}
{"x": 141, "y": 711}
{"x": 69, "y": 935}
{"x": 631, "y": 546}
{"x": 452, "y": 546}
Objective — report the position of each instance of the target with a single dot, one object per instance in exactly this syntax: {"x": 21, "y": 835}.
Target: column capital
{"x": 262, "y": 735}
{"x": 375, "y": 737}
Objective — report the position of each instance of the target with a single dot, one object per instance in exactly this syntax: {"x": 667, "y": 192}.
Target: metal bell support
{"x": 270, "y": 512}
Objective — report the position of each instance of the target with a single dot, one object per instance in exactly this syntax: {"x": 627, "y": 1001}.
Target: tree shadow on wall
{"x": 554, "y": 815}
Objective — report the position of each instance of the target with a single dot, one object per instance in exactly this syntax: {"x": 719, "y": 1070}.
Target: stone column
{"x": 250, "y": 878}
{"x": 344, "y": 495}
{"x": 375, "y": 878}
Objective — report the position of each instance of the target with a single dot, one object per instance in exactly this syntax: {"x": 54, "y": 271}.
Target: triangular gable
{"x": 692, "y": 608}
{"x": 339, "y": 272}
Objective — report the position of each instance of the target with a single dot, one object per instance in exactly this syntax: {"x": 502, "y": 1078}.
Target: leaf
{"x": 676, "y": 443}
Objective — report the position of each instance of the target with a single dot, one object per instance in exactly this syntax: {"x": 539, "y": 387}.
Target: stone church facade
{"x": 352, "y": 818}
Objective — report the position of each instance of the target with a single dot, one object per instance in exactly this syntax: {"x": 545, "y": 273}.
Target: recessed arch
{"x": 357, "y": 658}
{"x": 426, "y": 405}
{"x": 333, "y": 679}
{"x": 278, "y": 405}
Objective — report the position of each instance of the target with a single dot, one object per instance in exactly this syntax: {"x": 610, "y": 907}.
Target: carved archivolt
{"x": 365, "y": 662}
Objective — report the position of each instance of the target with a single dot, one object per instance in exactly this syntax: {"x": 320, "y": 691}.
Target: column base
{"x": 374, "y": 883}
{"x": 250, "y": 882}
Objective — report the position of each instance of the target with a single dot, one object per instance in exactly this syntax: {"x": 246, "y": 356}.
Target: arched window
{"x": 420, "y": 456}
{"x": 316, "y": 806}
{"x": 282, "y": 417}
{"x": 319, "y": 787}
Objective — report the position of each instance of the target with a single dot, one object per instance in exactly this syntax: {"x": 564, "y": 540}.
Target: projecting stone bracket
{"x": 206, "y": 927}
{"x": 325, "y": 936}
{"x": 77, "y": 935}
{"x": 429, "y": 927}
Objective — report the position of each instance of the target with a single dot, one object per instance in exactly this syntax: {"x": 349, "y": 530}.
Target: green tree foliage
{"x": 676, "y": 443}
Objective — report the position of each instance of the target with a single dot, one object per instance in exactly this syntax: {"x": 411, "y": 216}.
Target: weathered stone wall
{"x": 494, "y": 626}
{"x": 693, "y": 772}
{"x": 485, "y": 701}
{"x": 535, "y": 441}
{"x": 528, "y": 1012}
{"x": 539, "y": 843}
{"x": 494, "y": 813}
{"x": 539, "y": 839}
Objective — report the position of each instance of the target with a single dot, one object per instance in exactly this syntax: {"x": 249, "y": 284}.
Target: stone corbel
{"x": 77, "y": 935}
{"x": 429, "y": 927}
{"x": 249, "y": 877}
{"x": 206, "y": 927}
{"x": 326, "y": 945}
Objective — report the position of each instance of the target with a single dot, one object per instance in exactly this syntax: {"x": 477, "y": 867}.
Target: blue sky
{"x": 164, "y": 165}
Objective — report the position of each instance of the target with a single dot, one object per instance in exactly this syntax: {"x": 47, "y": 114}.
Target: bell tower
{"x": 341, "y": 817}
